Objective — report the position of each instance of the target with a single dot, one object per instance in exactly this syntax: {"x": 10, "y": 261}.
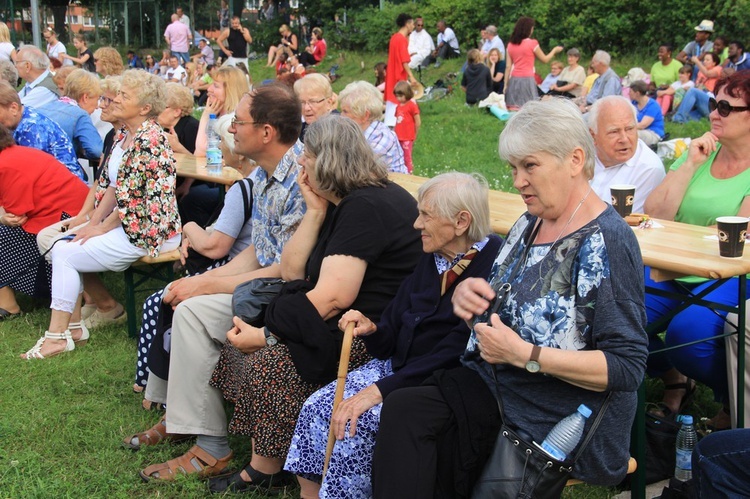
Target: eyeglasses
{"x": 311, "y": 103}
{"x": 105, "y": 101}
{"x": 724, "y": 108}
{"x": 236, "y": 122}
{"x": 18, "y": 61}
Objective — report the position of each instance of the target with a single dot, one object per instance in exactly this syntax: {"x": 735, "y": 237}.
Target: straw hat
{"x": 418, "y": 90}
{"x": 705, "y": 25}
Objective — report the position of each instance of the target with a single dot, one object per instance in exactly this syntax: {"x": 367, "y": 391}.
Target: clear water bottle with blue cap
{"x": 213, "y": 151}
{"x": 686, "y": 440}
{"x": 566, "y": 434}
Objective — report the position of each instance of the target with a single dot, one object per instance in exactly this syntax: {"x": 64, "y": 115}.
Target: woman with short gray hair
{"x": 135, "y": 212}
{"x": 567, "y": 330}
{"x": 417, "y": 334}
{"x": 363, "y": 103}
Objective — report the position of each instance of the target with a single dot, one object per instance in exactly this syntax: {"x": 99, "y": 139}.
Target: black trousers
{"x": 405, "y": 461}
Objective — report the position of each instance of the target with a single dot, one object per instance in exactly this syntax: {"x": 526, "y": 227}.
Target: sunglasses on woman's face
{"x": 724, "y": 108}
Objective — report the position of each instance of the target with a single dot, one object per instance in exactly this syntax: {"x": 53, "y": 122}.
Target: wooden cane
{"x": 346, "y": 349}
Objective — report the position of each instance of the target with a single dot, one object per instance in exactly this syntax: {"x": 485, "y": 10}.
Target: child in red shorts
{"x": 407, "y": 120}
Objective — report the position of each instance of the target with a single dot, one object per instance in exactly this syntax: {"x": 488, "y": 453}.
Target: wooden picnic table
{"x": 190, "y": 166}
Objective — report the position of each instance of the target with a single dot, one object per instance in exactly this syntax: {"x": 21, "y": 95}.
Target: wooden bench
{"x": 140, "y": 272}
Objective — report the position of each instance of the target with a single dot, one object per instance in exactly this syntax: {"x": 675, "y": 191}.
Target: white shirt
{"x": 55, "y": 51}
{"x": 644, "y": 170}
{"x": 34, "y": 95}
{"x": 420, "y": 44}
{"x": 179, "y": 75}
{"x": 184, "y": 20}
{"x": 495, "y": 43}
{"x": 449, "y": 37}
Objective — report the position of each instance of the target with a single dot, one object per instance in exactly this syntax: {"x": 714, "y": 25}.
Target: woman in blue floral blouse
{"x": 135, "y": 211}
{"x": 569, "y": 329}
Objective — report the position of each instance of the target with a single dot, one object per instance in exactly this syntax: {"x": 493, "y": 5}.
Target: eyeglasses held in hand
{"x": 724, "y": 108}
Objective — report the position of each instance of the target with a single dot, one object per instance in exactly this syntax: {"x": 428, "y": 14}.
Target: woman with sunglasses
{"x": 711, "y": 180}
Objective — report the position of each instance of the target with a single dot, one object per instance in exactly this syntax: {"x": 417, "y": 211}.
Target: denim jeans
{"x": 721, "y": 464}
{"x": 184, "y": 57}
{"x": 694, "y": 106}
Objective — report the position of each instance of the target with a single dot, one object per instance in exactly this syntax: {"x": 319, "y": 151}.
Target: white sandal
{"x": 84, "y": 333}
{"x": 36, "y": 352}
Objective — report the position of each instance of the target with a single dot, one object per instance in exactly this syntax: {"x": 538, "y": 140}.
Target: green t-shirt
{"x": 708, "y": 197}
{"x": 665, "y": 75}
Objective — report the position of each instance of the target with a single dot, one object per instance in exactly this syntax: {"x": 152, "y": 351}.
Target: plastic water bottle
{"x": 686, "y": 440}
{"x": 213, "y": 152}
{"x": 566, "y": 434}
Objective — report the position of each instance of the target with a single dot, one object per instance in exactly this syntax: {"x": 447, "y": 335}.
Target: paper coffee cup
{"x": 623, "y": 196}
{"x": 732, "y": 232}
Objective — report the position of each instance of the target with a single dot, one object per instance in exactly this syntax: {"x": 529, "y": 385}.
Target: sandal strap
{"x": 65, "y": 335}
{"x": 36, "y": 351}
{"x": 195, "y": 460}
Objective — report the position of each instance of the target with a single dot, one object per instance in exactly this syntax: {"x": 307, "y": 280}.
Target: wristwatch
{"x": 271, "y": 339}
{"x": 533, "y": 364}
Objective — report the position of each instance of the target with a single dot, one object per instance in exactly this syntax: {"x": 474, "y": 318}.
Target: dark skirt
{"x": 21, "y": 265}
{"x": 268, "y": 393}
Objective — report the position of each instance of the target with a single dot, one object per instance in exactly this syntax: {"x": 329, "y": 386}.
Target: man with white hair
{"x": 420, "y": 45}
{"x": 621, "y": 158}
{"x": 608, "y": 82}
{"x": 33, "y": 66}
{"x": 492, "y": 41}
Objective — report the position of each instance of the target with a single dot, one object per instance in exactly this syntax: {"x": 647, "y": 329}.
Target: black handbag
{"x": 250, "y": 299}
{"x": 518, "y": 469}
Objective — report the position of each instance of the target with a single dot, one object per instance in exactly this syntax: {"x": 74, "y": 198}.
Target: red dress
{"x": 398, "y": 55}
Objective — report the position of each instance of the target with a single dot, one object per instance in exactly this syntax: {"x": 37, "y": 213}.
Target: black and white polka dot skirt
{"x": 20, "y": 264}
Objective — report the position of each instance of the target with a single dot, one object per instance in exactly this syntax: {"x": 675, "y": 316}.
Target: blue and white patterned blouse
{"x": 37, "y": 131}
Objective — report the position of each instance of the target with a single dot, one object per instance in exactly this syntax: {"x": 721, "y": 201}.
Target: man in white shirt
{"x": 621, "y": 158}
{"x": 182, "y": 17}
{"x": 420, "y": 45}
{"x": 447, "y": 44}
{"x": 492, "y": 41}
{"x": 175, "y": 73}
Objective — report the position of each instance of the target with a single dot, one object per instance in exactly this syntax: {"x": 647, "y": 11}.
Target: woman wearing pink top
{"x": 519, "y": 70}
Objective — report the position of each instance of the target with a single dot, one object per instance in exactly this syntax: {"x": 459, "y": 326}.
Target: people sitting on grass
{"x": 476, "y": 81}
{"x": 650, "y": 119}
{"x": 555, "y": 69}
{"x": 354, "y": 256}
{"x": 607, "y": 83}
{"x": 202, "y": 304}
{"x": 362, "y": 103}
{"x": 32, "y": 129}
{"x": 709, "y": 181}
{"x": 316, "y": 51}
{"x": 496, "y": 63}
{"x": 36, "y": 190}
{"x": 671, "y": 97}
{"x": 287, "y": 46}
{"x": 571, "y": 81}
{"x": 447, "y": 45}
{"x": 665, "y": 71}
{"x": 694, "y": 105}
{"x": 420, "y": 46}
{"x": 621, "y": 158}
{"x": 135, "y": 214}
{"x": 737, "y": 59}
{"x": 417, "y": 334}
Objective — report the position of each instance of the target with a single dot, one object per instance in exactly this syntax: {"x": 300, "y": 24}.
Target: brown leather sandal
{"x": 154, "y": 435}
{"x": 194, "y": 461}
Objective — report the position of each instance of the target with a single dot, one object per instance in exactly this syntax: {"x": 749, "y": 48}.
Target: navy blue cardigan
{"x": 418, "y": 329}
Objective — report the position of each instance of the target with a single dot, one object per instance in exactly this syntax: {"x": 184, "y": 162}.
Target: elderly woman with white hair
{"x": 566, "y": 328}
{"x": 417, "y": 334}
{"x": 316, "y": 98}
{"x": 135, "y": 214}
{"x": 362, "y": 102}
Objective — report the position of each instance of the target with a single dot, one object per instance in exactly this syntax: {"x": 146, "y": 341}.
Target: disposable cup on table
{"x": 732, "y": 233}
{"x": 622, "y": 198}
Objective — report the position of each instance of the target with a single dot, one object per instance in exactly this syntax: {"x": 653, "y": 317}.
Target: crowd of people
{"x": 447, "y": 316}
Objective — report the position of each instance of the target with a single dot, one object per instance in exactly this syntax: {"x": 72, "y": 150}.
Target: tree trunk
{"x": 58, "y": 12}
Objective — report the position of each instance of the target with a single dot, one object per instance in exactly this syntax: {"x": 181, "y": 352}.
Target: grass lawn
{"x": 63, "y": 419}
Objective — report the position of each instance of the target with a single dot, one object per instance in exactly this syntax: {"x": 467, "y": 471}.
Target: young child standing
{"x": 407, "y": 120}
